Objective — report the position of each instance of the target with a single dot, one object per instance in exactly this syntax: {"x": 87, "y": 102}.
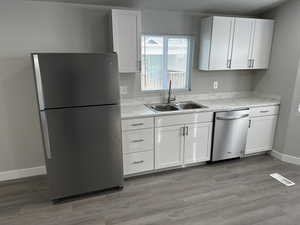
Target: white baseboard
{"x": 285, "y": 158}
{"x": 21, "y": 173}
{"x": 41, "y": 170}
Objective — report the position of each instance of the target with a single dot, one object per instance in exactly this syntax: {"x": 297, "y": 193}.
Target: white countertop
{"x": 137, "y": 108}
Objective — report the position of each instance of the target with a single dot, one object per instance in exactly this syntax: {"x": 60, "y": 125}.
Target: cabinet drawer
{"x": 264, "y": 111}
{"x": 137, "y": 140}
{"x": 171, "y": 120}
{"x": 135, "y": 124}
{"x": 138, "y": 162}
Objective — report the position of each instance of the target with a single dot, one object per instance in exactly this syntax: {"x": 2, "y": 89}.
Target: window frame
{"x": 190, "y": 60}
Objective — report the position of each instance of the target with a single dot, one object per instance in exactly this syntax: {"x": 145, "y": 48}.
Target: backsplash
{"x": 186, "y": 96}
{"x": 202, "y": 82}
{"x": 159, "y": 98}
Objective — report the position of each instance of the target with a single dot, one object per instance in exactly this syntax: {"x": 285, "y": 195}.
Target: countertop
{"x": 138, "y": 109}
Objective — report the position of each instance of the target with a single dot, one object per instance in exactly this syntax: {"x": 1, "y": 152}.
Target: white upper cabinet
{"x": 262, "y": 43}
{"x": 242, "y": 40}
{"x": 228, "y": 43}
{"x": 126, "y": 31}
{"x": 216, "y": 43}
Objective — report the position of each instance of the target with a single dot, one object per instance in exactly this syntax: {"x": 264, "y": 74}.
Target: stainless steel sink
{"x": 189, "y": 105}
{"x": 162, "y": 107}
{"x": 175, "y": 106}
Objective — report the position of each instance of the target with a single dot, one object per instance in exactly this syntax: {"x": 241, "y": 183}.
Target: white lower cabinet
{"x": 138, "y": 145}
{"x": 138, "y": 162}
{"x": 169, "y": 144}
{"x": 182, "y": 144}
{"x": 261, "y": 134}
{"x": 198, "y": 143}
{"x": 176, "y": 140}
{"x": 137, "y": 140}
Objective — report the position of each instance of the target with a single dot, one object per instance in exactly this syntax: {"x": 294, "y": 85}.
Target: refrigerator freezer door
{"x": 72, "y": 79}
{"x": 85, "y": 148}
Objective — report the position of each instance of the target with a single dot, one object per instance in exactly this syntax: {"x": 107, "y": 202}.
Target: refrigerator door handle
{"x": 39, "y": 85}
{"x": 46, "y": 135}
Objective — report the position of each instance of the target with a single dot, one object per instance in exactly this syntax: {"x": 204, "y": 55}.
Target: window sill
{"x": 164, "y": 90}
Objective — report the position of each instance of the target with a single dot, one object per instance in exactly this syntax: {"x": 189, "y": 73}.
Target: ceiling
{"x": 202, "y": 6}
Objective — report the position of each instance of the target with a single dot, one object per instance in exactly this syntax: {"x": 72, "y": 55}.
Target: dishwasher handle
{"x": 232, "y": 117}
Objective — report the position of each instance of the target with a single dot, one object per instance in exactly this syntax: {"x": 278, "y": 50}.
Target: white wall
{"x": 283, "y": 78}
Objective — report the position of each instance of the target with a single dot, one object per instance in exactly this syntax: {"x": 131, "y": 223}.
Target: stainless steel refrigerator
{"x": 79, "y": 104}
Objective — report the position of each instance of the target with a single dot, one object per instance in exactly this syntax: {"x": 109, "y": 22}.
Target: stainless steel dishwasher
{"x": 230, "y": 134}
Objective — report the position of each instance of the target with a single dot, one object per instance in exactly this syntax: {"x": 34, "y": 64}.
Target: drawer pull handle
{"x": 137, "y": 141}
{"x": 137, "y": 124}
{"x": 138, "y": 162}
{"x": 264, "y": 111}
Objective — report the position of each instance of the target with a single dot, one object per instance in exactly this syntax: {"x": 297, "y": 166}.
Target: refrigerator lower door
{"x": 83, "y": 149}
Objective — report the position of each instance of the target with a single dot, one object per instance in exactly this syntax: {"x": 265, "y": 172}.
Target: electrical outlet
{"x": 123, "y": 90}
{"x": 216, "y": 84}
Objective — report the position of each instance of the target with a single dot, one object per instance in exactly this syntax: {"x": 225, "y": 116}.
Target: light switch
{"x": 216, "y": 84}
{"x": 123, "y": 90}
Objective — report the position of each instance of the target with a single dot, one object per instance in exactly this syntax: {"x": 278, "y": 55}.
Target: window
{"x": 166, "y": 58}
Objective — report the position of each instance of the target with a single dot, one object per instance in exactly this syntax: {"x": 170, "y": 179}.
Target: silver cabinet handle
{"x": 250, "y": 123}
{"x": 138, "y": 162}
{"x": 187, "y": 131}
{"x": 249, "y": 63}
{"x": 229, "y": 63}
{"x": 139, "y": 62}
{"x": 137, "y": 124}
{"x": 264, "y": 111}
{"x": 137, "y": 141}
{"x": 182, "y": 131}
{"x": 252, "y": 66}
{"x": 232, "y": 118}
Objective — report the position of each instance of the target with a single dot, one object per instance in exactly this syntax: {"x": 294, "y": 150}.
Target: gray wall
{"x": 281, "y": 79}
{"x": 27, "y": 27}
{"x": 292, "y": 142}
{"x": 171, "y": 22}
{"x": 39, "y": 26}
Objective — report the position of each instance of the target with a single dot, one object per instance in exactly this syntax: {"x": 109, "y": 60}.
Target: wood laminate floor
{"x": 239, "y": 192}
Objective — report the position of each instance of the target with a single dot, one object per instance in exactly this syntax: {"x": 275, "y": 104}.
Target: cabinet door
{"x": 261, "y": 134}
{"x": 262, "y": 43}
{"x": 221, "y": 43}
{"x": 242, "y": 43}
{"x": 169, "y": 144}
{"x": 126, "y": 26}
{"x": 198, "y": 143}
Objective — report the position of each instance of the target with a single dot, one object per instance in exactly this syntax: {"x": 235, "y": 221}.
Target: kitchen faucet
{"x": 170, "y": 99}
